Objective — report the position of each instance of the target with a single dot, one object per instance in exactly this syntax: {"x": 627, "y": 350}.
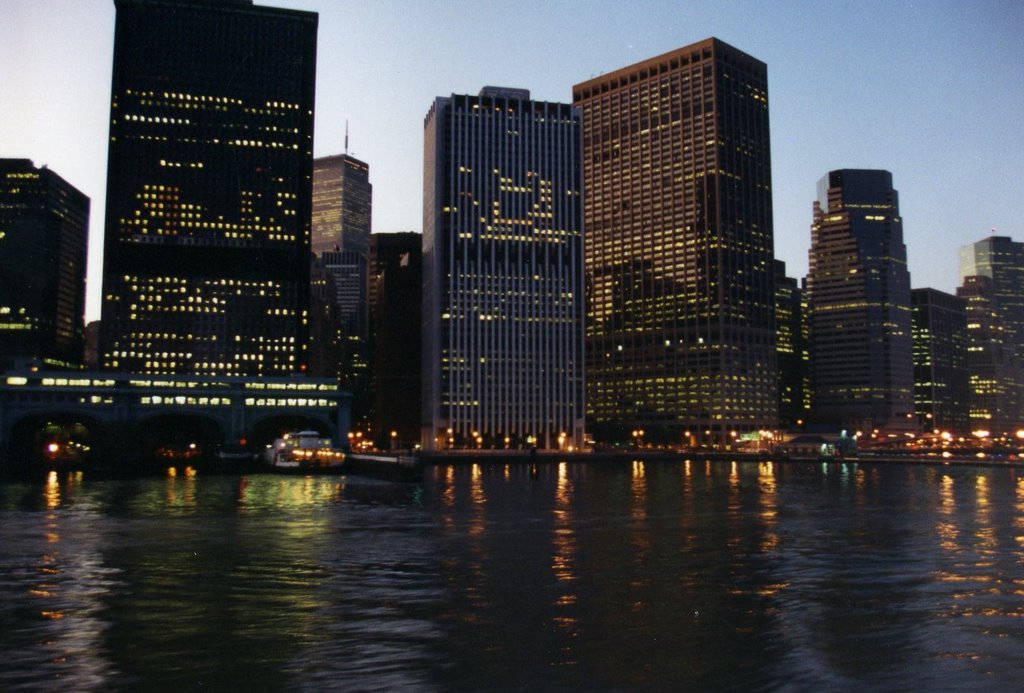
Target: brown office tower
{"x": 678, "y": 218}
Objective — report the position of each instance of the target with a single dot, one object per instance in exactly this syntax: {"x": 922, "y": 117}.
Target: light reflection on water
{"x": 572, "y": 575}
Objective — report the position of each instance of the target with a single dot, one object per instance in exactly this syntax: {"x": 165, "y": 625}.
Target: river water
{"x": 590, "y": 576}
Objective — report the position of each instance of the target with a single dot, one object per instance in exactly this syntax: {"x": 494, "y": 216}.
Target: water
{"x": 582, "y": 576}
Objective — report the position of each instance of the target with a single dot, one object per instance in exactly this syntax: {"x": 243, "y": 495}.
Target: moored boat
{"x": 304, "y": 451}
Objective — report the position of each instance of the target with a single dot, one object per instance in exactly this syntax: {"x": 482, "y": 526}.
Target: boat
{"x": 304, "y": 451}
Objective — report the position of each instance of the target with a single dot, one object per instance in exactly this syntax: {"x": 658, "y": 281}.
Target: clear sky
{"x": 931, "y": 90}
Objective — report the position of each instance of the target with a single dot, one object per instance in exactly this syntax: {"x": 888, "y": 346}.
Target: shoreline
{"x": 403, "y": 467}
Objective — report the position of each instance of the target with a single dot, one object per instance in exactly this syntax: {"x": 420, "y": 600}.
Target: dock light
{"x": 53, "y": 448}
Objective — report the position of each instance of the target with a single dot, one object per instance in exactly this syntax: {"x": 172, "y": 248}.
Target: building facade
{"x": 342, "y": 204}
{"x": 994, "y": 372}
{"x": 992, "y": 283}
{"x": 1001, "y": 259}
{"x": 859, "y": 301}
{"x": 209, "y": 182}
{"x": 44, "y": 225}
{"x": 792, "y": 350}
{"x": 941, "y": 390}
{"x": 680, "y": 282}
{"x": 503, "y": 273}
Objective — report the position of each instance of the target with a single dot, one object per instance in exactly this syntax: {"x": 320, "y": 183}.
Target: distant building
{"x": 209, "y": 186}
{"x": 342, "y": 204}
{"x": 992, "y": 283}
{"x": 44, "y": 225}
{"x": 858, "y": 291}
{"x": 941, "y": 391}
{"x": 792, "y": 350}
{"x": 91, "y": 359}
{"x": 324, "y": 327}
{"x": 678, "y": 216}
{"x": 342, "y": 207}
{"x": 503, "y": 273}
{"x": 1001, "y": 259}
{"x": 348, "y": 273}
{"x": 396, "y": 289}
{"x": 995, "y": 374}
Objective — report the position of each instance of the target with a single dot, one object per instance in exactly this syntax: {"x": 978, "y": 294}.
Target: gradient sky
{"x": 932, "y": 91}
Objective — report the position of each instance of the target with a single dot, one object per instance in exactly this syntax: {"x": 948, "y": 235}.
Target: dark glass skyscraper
{"x": 859, "y": 300}
{"x": 207, "y": 236}
{"x": 792, "y": 349}
{"x": 43, "y": 230}
{"x": 678, "y": 216}
{"x": 503, "y": 272}
{"x": 941, "y": 392}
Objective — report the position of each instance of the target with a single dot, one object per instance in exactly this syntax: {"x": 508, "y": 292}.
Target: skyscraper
{"x": 941, "y": 392}
{"x": 994, "y": 371}
{"x": 342, "y": 204}
{"x": 396, "y": 286}
{"x": 1001, "y": 259}
{"x": 503, "y": 272}
{"x": 792, "y": 349}
{"x": 859, "y": 300}
{"x": 678, "y": 215}
{"x": 992, "y": 278}
{"x": 207, "y": 232}
{"x": 43, "y": 230}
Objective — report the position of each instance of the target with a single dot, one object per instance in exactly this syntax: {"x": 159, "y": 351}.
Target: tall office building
{"x": 342, "y": 204}
{"x": 792, "y": 350}
{"x": 209, "y": 182}
{"x": 1001, "y": 259}
{"x": 43, "y": 234}
{"x": 859, "y": 301}
{"x": 678, "y": 214}
{"x": 503, "y": 272}
{"x": 396, "y": 285}
{"x": 324, "y": 327}
{"x": 348, "y": 272}
{"x": 996, "y": 330}
{"x": 994, "y": 371}
{"x": 941, "y": 392}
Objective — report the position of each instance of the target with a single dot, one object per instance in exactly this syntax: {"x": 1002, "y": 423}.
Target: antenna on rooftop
{"x": 346, "y": 136}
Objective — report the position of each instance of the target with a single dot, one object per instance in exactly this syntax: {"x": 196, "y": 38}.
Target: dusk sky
{"x": 931, "y": 91}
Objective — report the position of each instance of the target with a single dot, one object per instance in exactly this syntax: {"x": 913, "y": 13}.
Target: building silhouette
{"x": 396, "y": 285}
{"x": 941, "y": 391}
{"x": 678, "y": 216}
{"x": 503, "y": 273}
{"x": 207, "y": 230}
{"x": 859, "y": 302}
{"x": 44, "y": 223}
{"x": 792, "y": 350}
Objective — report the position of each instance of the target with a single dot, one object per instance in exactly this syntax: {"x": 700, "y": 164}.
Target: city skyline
{"x": 874, "y": 86}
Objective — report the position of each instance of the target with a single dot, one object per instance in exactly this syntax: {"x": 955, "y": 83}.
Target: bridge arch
{"x": 177, "y": 435}
{"x": 53, "y": 437}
